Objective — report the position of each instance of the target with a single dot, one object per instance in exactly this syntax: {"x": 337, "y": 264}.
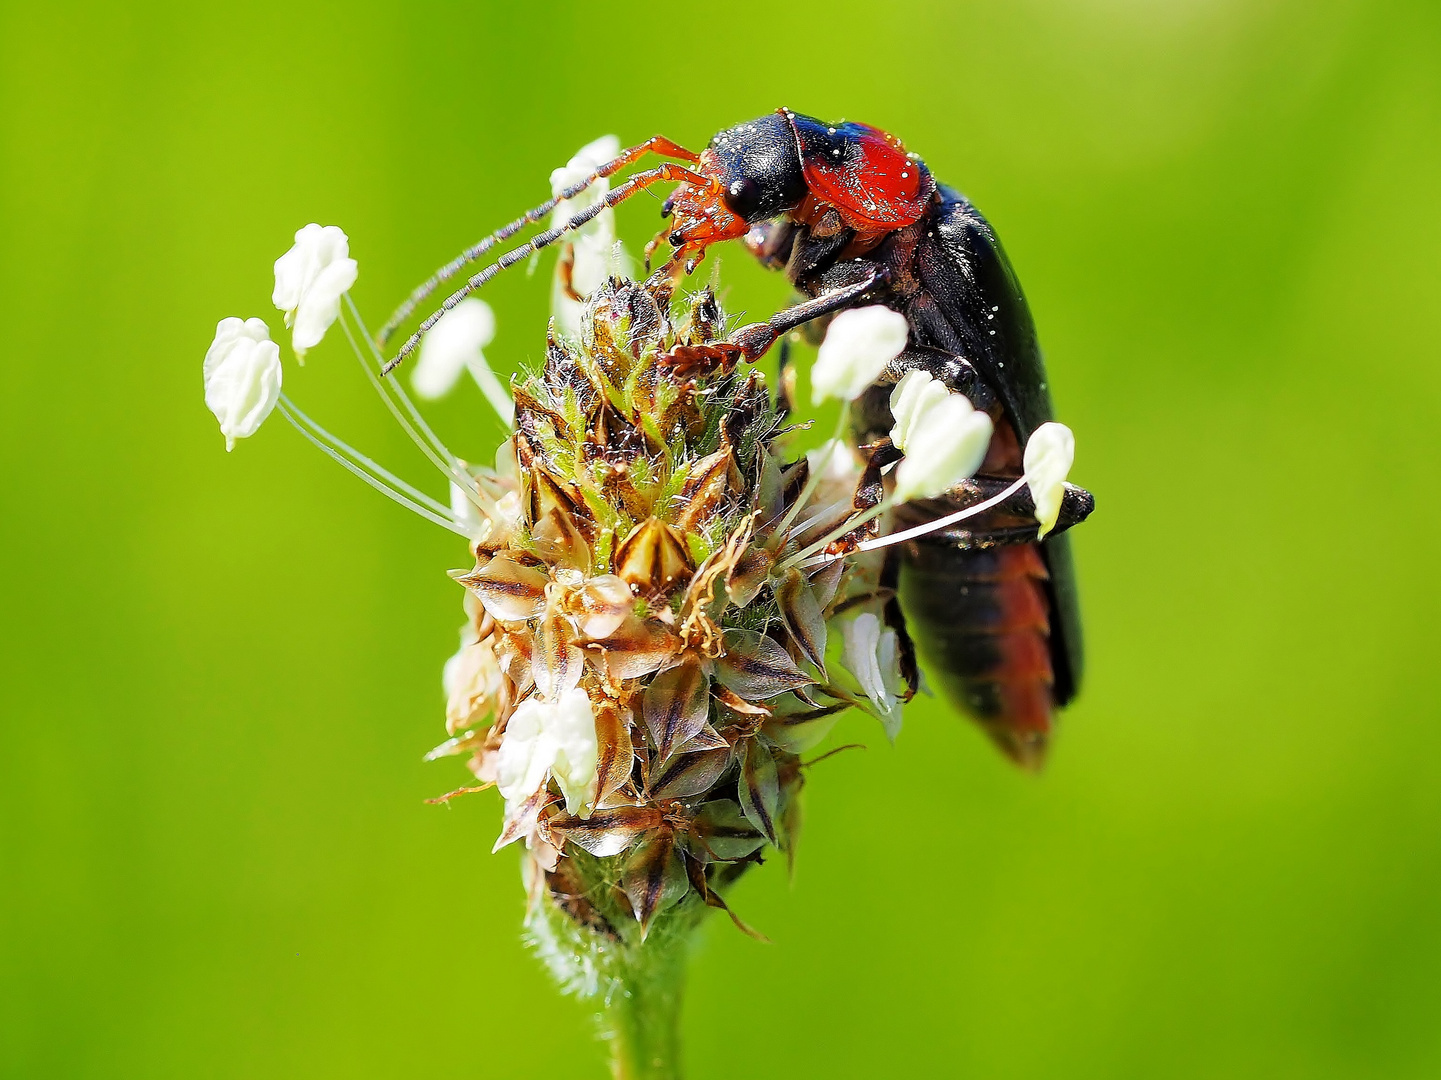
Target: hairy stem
{"x": 594, "y": 947}
{"x": 641, "y": 1021}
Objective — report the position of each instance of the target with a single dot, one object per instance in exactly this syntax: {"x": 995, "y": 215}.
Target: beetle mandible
{"x": 854, "y": 219}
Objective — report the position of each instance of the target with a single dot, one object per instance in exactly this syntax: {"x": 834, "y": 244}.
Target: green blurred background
{"x": 218, "y": 673}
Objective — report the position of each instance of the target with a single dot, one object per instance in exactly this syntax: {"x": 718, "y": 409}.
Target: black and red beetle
{"x": 854, "y": 219}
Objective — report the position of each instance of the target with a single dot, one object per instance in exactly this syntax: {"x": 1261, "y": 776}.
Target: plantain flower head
{"x": 644, "y": 658}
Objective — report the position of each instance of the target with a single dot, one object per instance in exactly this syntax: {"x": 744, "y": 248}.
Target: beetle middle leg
{"x": 872, "y": 410}
{"x": 1011, "y": 521}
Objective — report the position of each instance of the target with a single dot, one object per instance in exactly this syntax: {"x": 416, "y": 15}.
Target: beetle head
{"x": 755, "y": 173}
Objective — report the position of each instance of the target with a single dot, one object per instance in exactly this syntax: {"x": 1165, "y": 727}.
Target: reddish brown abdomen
{"x": 981, "y": 621}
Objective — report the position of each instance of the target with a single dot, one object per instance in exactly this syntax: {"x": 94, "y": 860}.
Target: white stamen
{"x": 946, "y": 444}
{"x": 1050, "y": 452}
{"x": 858, "y": 345}
{"x": 916, "y": 393}
{"x": 393, "y": 394}
{"x": 942, "y": 522}
{"x": 456, "y": 344}
{"x": 310, "y": 279}
{"x": 381, "y": 479}
{"x": 242, "y": 377}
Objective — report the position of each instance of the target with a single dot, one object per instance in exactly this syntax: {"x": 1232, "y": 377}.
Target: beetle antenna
{"x": 667, "y": 173}
{"x": 656, "y": 144}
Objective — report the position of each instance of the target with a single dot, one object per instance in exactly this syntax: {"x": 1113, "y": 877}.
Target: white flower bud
{"x": 310, "y": 279}
{"x": 526, "y": 755}
{"x": 242, "y": 377}
{"x": 456, "y": 343}
{"x": 572, "y": 726}
{"x": 945, "y": 445}
{"x": 858, "y": 346}
{"x": 550, "y": 737}
{"x": 872, "y": 656}
{"x": 587, "y": 159}
{"x": 916, "y": 393}
{"x": 472, "y": 681}
{"x": 593, "y": 248}
{"x": 1050, "y": 452}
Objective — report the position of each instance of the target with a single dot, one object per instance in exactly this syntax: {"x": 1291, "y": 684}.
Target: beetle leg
{"x": 565, "y": 268}
{"x": 756, "y": 338}
{"x": 895, "y": 618}
{"x": 955, "y": 371}
{"x": 785, "y": 380}
{"x": 751, "y": 342}
{"x": 682, "y": 262}
{"x": 654, "y": 242}
{"x": 1012, "y": 521}
{"x": 691, "y": 361}
{"x": 872, "y": 410}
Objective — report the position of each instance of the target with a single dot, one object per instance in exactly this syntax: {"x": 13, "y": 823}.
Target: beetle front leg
{"x": 751, "y": 342}
{"x": 756, "y": 338}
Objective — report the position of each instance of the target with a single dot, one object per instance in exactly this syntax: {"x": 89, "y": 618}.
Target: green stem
{"x": 635, "y": 981}
{"x": 641, "y": 1021}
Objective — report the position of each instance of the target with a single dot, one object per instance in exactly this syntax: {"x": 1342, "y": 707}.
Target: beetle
{"x": 852, "y": 218}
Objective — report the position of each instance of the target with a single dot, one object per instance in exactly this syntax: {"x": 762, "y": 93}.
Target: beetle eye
{"x": 743, "y": 197}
